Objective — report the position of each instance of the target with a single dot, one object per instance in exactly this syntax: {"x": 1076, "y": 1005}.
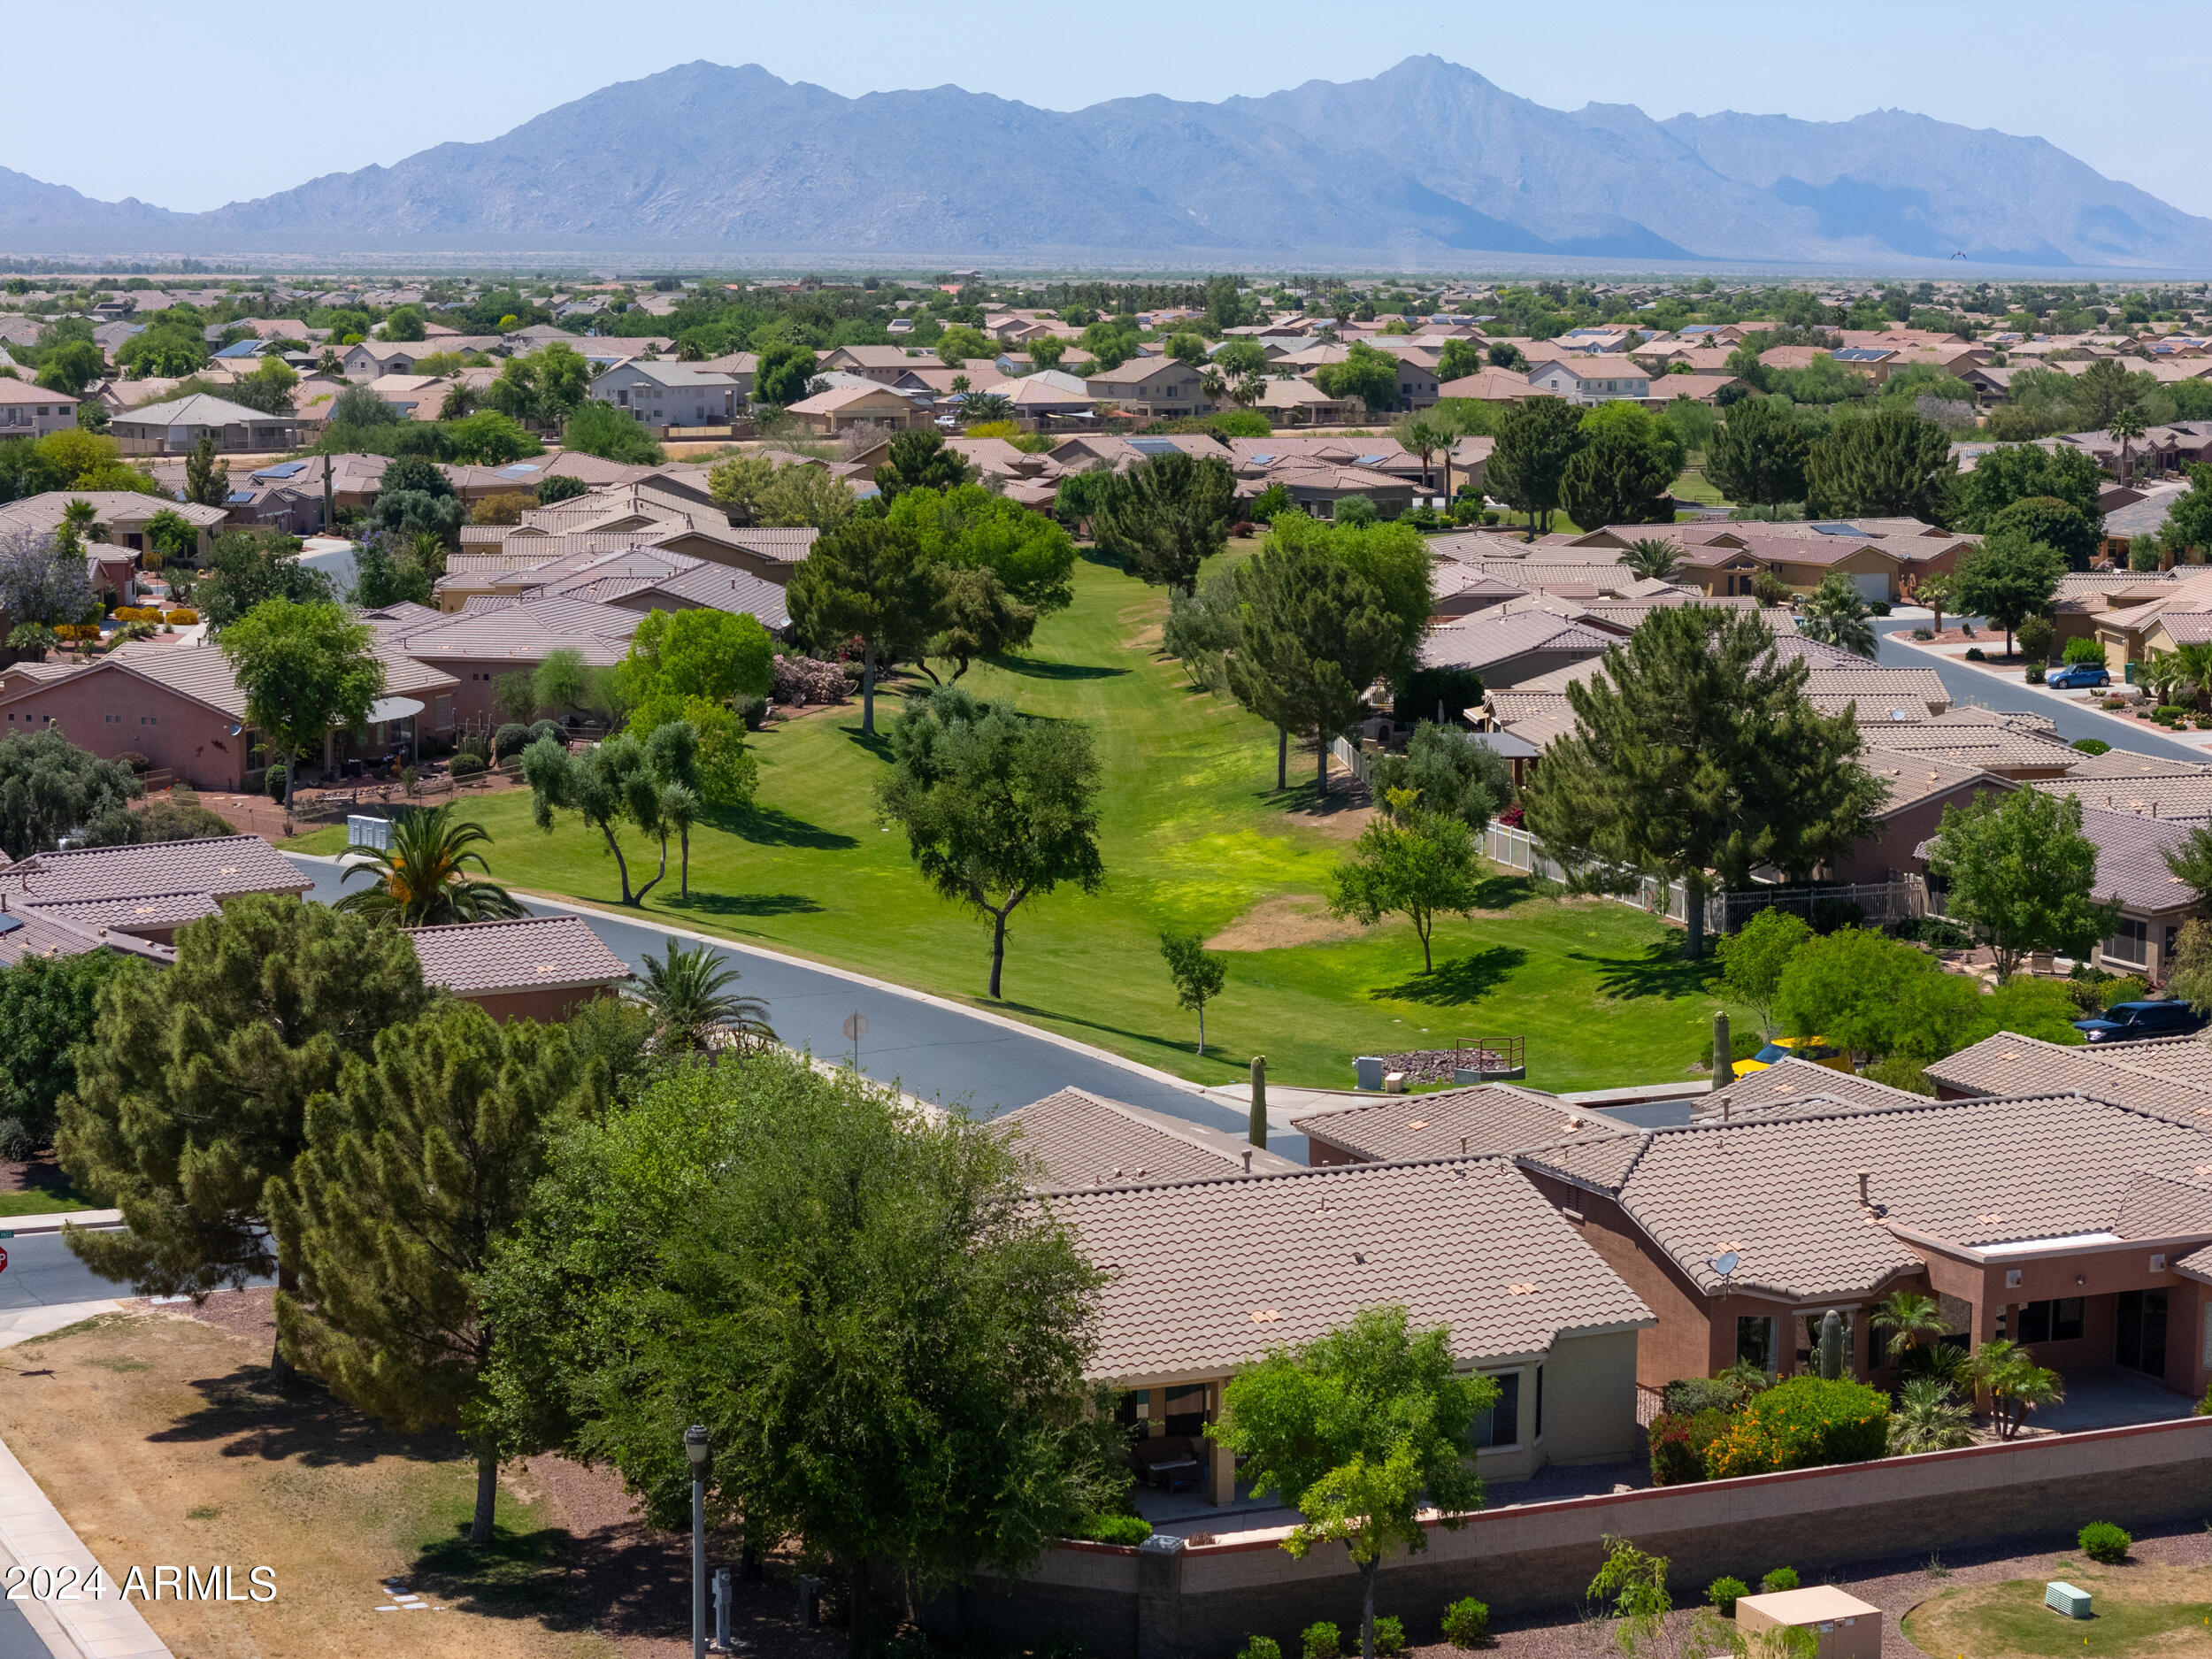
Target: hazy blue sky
{"x": 293, "y": 91}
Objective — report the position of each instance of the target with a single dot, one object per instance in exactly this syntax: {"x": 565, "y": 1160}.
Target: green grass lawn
{"x": 1694, "y": 486}
{"x": 40, "y": 1203}
{"x": 2140, "y": 1610}
{"x": 1196, "y": 840}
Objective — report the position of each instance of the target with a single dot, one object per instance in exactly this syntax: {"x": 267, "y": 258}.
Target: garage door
{"x": 1871, "y": 587}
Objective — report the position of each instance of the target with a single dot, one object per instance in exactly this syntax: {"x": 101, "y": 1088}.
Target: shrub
{"x": 1722, "y": 1593}
{"x": 1689, "y": 1395}
{"x": 182, "y": 617}
{"x": 2033, "y": 636}
{"x": 2091, "y": 745}
{"x": 473, "y": 743}
{"x": 2083, "y": 651}
{"x": 1467, "y": 1621}
{"x": 1390, "y": 1634}
{"x": 1975, "y": 654}
{"x": 1923, "y": 634}
{"x": 2033, "y": 673}
{"x": 1115, "y": 1529}
{"x": 1901, "y": 1070}
{"x": 1681, "y": 1445}
{"x": 1260, "y": 1648}
{"x": 17, "y": 1143}
{"x": 1322, "y": 1641}
{"x": 2100, "y": 1540}
{"x": 465, "y": 765}
{"x": 546, "y": 728}
{"x": 136, "y": 761}
{"x": 511, "y": 739}
{"x": 275, "y": 785}
{"x": 1878, "y": 608}
{"x": 1802, "y": 1423}
{"x": 1780, "y": 1579}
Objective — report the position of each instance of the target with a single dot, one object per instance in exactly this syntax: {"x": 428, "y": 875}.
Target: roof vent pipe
{"x": 1864, "y": 1202}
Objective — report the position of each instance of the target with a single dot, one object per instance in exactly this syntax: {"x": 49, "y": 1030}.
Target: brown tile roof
{"x": 1203, "y": 1276}
{"x": 2124, "y": 1073}
{"x": 1783, "y": 1195}
{"x": 26, "y": 933}
{"x": 528, "y": 630}
{"x": 1478, "y": 1122}
{"x": 222, "y": 866}
{"x": 2153, "y": 1207}
{"x": 1485, "y": 641}
{"x": 2179, "y": 1059}
{"x": 146, "y": 912}
{"x": 1796, "y": 1087}
{"x": 1087, "y": 1141}
{"x": 538, "y": 953}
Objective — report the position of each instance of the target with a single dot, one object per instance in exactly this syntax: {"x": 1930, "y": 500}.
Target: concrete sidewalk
{"x": 32, "y": 1534}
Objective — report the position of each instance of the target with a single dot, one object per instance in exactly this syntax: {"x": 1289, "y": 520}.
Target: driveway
{"x": 2009, "y": 692}
{"x": 937, "y": 1050}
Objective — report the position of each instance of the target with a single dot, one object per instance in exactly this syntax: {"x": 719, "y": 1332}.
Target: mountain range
{"x": 1426, "y": 165}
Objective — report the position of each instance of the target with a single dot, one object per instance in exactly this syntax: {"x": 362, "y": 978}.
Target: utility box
{"x": 1844, "y": 1627}
{"x": 1367, "y": 1069}
{"x": 2066, "y": 1599}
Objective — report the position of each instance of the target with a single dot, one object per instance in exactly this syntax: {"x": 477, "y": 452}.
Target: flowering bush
{"x": 182, "y": 617}
{"x": 801, "y": 680}
{"x": 1801, "y": 1424}
{"x": 1680, "y": 1443}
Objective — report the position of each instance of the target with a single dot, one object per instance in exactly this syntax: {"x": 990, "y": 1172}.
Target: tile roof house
{"x": 2059, "y": 1221}
{"x": 1479, "y": 1121}
{"x": 31, "y": 412}
{"x": 495, "y": 636}
{"x": 1205, "y": 1276}
{"x": 180, "y": 705}
{"x": 1589, "y": 380}
{"x": 1081, "y": 1141}
{"x": 864, "y": 406}
{"x": 538, "y": 967}
{"x": 1153, "y": 388}
{"x": 145, "y": 892}
{"x": 668, "y": 394}
{"x": 176, "y": 428}
{"x": 1507, "y": 650}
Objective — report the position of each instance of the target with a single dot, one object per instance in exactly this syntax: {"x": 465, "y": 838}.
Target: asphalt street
{"x": 935, "y": 1052}
{"x": 2008, "y": 693}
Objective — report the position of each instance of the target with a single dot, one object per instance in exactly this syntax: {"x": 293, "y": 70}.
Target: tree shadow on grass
{"x": 1662, "y": 970}
{"x": 772, "y": 826}
{"x": 1463, "y": 980}
{"x": 745, "y": 904}
{"x": 1031, "y": 668}
{"x": 251, "y": 1416}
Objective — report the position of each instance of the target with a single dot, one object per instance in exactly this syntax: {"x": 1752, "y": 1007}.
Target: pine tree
{"x": 1892, "y": 464}
{"x": 1757, "y": 458}
{"x": 1316, "y": 636}
{"x": 1534, "y": 445}
{"x": 1697, "y": 758}
{"x": 418, "y": 1164}
{"x": 192, "y": 1096}
{"x": 1163, "y": 516}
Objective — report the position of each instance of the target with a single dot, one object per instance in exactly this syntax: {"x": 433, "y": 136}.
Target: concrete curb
{"x": 928, "y": 999}
{"x": 54, "y": 1221}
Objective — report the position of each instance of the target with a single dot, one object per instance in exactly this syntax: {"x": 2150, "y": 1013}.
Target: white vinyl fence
{"x": 1877, "y": 902}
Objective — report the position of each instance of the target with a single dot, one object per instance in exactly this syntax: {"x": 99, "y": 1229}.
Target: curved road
{"x": 2009, "y": 692}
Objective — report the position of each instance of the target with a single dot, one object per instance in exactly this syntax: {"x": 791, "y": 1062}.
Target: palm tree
{"x": 1928, "y": 1418}
{"x": 1249, "y": 390}
{"x": 2162, "y": 673}
{"x": 1835, "y": 614}
{"x": 2015, "y": 1383}
{"x": 689, "y": 1002}
{"x": 422, "y": 877}
{"x": 1425, "y": 438}
{"x": 2193, "y": 662}
{"x": 1213, "y": 384}
{"x": 1652, "y": 557}
{"x": 2126, "y": 426}
{"x": 1908, "y": 1317}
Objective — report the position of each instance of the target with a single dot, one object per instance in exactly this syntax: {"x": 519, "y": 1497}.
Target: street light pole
{"x": 695, "y": 1448}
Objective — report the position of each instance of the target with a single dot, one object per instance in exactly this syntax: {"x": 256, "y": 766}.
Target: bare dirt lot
{"x": 162, "y": 1441}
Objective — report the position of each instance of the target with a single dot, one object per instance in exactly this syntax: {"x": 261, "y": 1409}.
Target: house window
{"x": 2058, "y": 1321}
{"x": 1186, "y": 1409}
{"x": 2130, "y": 942}
{"x": 1501, "y": 1425}
{"x": 1755, "y": 1341}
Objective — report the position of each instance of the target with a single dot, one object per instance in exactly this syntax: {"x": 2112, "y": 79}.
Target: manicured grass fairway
{"x": 1194, "y": 838}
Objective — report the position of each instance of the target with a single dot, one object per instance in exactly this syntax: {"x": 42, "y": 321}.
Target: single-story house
{"x": 537, "y": 967}
{"x": 1078, "y": 1141}
{"x": 859, "y": 408}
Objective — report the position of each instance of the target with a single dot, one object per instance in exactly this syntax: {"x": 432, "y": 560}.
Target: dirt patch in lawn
{"x": 2138, "y": 1609}
{"x": 1286, "y": 919}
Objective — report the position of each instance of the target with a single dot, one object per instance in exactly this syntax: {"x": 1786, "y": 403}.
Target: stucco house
{"x": 176, "y": 428}
{"x": 31, "y": 412}
{"x": 663, "y": 394}
{"x": 1153, "y": 388}
{"x": 1597, "y": 380}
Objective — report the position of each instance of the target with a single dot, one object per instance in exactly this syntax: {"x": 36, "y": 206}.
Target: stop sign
{"x": 4, "y": 1260}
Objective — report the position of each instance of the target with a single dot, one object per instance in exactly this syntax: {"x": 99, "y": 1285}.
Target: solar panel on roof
{"x": 1152, "y": 446}
{"x": 282, "y": 469}
{"x": 9, "y": 924}
{"x": 1263, "y": 460}
{"x": 1371, "y": 460}
{"x": 238, "y": 495}
{"x": 518, "y": 470}
{"x": 1833, "y": 528}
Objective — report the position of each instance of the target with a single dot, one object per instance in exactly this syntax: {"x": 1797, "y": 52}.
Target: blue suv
{"x": 2133, "y": 1022}
{"x": 2077, "y": 676}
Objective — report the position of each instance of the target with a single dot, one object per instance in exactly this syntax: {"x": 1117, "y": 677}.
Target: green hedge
{"x": 1802, "y": 1423}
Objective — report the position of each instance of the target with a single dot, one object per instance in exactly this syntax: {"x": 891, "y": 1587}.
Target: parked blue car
{"x": 2077, "y": 676}
{"x": 2133, "y": 1022}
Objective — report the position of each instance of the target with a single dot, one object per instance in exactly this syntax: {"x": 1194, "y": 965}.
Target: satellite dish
{"x": 1725, "y": 1263}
